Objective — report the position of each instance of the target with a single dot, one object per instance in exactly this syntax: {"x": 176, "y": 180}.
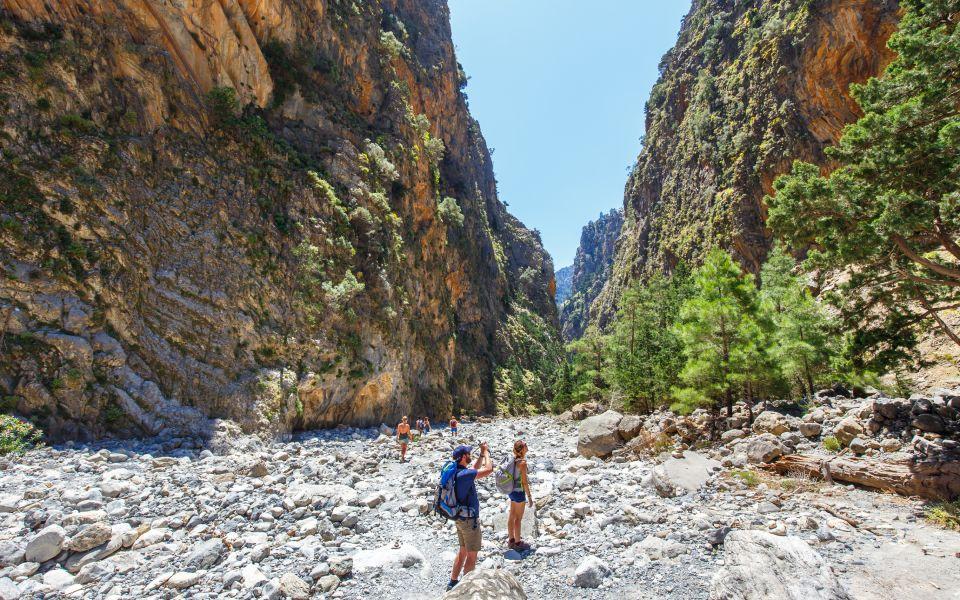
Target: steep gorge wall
{"x": 169, "y": 259}
{"x": 750, "y": 86}
{"x": 591, "y": 269}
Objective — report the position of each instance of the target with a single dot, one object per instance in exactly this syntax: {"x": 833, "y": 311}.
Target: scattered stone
{"x": 341, "y": 566}
{"x": 183, "y": 580}
{"x": 591, "y": 573}
{"x": 487, "y": 584}
{"x": 328, "y": 583}
{"x": 58, "y": 579}
{"x": 205, "y": 554}
{"x": 847, "y": 430}
{"x": 858, "y": 445}
{"x": 659, "y": 549}
{"x": 90, "y": 537}
{"x": 258, "y": 469}
{"x": 764, "y": 448}
{"x": 293, "y": 587}
{"x": 404, "y": 556}
{"x": 930, "y": 423}
{"x": 46, "y": 544}
{"x": 8, "y": 589}
{"x": 690, "y": 472}
{"x": 811, "y": 429}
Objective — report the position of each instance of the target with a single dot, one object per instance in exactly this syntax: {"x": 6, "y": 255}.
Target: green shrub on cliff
{"x": 16, "y": 435}
{"x": 449, "y": 211}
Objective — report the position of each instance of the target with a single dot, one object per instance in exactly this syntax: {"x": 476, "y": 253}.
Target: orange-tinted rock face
{"x": 750, "y": 87}
{"x": 285, "y": 267}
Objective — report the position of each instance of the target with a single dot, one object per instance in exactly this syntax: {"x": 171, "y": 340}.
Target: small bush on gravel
{"x": 944, "y": 514}
{"x": 16, "y": 435}
{"x": 747, "y": 477}
{"x": 832, "y": 444}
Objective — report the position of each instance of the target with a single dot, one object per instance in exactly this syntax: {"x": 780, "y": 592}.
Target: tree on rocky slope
{"x": 889, "y": 214}
{"x": 721, "y": 336}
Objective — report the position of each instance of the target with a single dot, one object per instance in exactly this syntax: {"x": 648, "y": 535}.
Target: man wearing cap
{"x": 468, "y": 530}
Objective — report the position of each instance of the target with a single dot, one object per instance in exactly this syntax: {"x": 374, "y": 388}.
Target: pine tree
{"x": 889, "y": 214}
{"x": 589, "y": 364}
{"x": 803, "y": 343}
{"x": 720, "y": 335}
{"x": 645, "y": 352}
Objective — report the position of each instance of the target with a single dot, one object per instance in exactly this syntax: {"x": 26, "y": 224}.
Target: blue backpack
{"x": 446, "y": 503}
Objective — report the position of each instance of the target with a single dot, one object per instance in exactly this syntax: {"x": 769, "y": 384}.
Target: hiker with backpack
{"x": 403, "y": 438}
{"x": 457, "y": 500}
{"x": 512, "y": 480}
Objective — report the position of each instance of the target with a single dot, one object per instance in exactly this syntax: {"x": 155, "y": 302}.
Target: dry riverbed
{"x": 334, "y": 514}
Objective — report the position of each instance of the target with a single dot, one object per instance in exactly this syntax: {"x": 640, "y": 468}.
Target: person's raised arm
{"x": 484, "y": 465}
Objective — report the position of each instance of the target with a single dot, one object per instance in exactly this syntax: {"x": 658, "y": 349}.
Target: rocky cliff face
{"x": 564, "y": 278}
{"x": 750, "y": 86}
{"x": 591, "y": 270}
{"x": 278, "y": 213}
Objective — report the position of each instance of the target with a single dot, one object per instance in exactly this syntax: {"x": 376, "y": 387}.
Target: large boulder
{"x": 690, "y": 472}
{"x": 888, "y": 408}
{"x": 630, "y": 427}
{"x": 487, "y": 584}
{"x": 600, "y": 435}
{"x": 761, "y": 566}
{"x": 583, "y": 410}
{"x": 378, "y": 559}
{"x": 847, "y": 430}
{"x": 930, "y": 423}
{"x": 771, "y": 422}
{"x": 764, "y": 448}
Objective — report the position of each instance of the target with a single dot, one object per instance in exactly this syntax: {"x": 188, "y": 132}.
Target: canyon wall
{"x": 750, "y": 86}
{"x": 274, "y": 213}
{"x": 591, "y": 269}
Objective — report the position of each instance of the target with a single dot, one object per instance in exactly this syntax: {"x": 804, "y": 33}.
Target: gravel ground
{"x": 183, "y": 522}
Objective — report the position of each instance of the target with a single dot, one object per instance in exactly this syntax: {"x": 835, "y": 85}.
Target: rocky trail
{"x": 334, "y": 514}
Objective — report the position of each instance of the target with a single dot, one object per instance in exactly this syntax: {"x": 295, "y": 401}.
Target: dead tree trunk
{"x": 931, "y": 479}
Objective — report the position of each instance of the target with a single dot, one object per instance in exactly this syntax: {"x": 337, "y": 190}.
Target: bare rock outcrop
{"x": 762, "y": 566}
{"x": 235, "y": 211}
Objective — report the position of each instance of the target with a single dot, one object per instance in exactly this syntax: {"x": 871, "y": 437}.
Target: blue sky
{"x": 559, "y": 87}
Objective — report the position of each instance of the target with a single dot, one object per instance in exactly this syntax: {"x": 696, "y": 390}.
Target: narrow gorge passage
{"x": 240, "y": 241}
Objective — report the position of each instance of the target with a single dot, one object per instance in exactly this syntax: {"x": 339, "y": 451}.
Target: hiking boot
{"x": 521, "y": 546}
{"x": 452, "y": 584}
{"x": 511, "y": 544}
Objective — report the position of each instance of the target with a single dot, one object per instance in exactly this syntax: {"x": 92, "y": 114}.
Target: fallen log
{"x": 931, "y": 479}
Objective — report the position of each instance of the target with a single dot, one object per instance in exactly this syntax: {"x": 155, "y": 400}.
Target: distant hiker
{"x": 426, "y": 425}
{"x": 515, "y": 470}
{"x": 403, "y": 437}
{"x": 467, "y": 503}
{"x": 453, "y": 425}
{"x": 419, "y": 424}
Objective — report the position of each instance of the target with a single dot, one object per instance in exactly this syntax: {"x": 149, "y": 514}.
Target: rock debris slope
{"x": 278, "y": 213}
{"x": 335, "y": 515}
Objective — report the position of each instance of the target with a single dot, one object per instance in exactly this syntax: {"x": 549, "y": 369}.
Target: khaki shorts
{"x": 468, "y": 533}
